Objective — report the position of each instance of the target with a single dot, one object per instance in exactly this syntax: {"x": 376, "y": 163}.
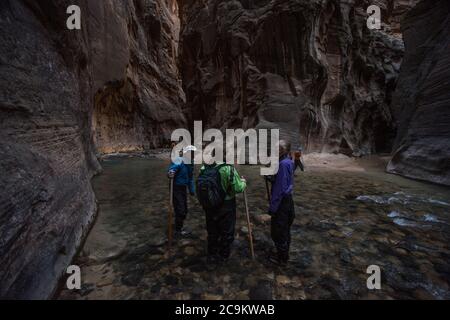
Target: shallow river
{"x": 345, "y": 222}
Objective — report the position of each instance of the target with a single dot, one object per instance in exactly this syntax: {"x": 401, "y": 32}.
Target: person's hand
{"x": 243, "y": 179}
{"x": 171, "y": 174}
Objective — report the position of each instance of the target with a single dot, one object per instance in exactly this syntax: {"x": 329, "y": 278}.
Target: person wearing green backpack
{"x": 217, "y": 186}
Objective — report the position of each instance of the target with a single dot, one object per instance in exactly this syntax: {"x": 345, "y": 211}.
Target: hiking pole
{"x": 268, "y": 190}
{"x": 250, "y": 236}
{"x": 170, "y": 218}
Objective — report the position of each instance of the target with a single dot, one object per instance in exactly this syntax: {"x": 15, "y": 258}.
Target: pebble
{"x": 190, "y": 251}
{"x": 283, "y": 280}
{"x": 263, "y": 218}
{"x": 208, "y": 296}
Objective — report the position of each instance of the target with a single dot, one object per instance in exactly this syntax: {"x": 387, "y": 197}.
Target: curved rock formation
{"x": 139, "y": 99}
{"x": 115, "y": 83}
{"x": 311, "y": 68}
{"x": 422, "y": 101}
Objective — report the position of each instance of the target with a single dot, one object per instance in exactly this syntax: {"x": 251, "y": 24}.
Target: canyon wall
{"x": 66, "y": 96}
{"x": 421, "y": 103}
{"x": 311, "y": 68}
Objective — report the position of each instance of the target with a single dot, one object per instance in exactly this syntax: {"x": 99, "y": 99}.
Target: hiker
{"x": 183, "y": 175}
{"x": 217, "y": 186}
{"x": 298, "y": 162}
{"x": 282, "y": 205}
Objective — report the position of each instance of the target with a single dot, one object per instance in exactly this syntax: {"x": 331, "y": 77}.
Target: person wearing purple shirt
{"x": 282, "y": 205}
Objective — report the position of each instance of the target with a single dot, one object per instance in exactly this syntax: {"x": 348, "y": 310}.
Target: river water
{"x": 345, "y": 222}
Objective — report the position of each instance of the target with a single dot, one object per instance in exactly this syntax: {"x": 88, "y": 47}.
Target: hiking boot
{"x": 278, "y": 260}
{"x": 213, "y": 259}
{"x": 223, "y": 260}
{"x": 182, "y": 233}
{"x": 212, "y": 262}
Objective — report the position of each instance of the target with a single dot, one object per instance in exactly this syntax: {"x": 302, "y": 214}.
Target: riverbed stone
{"x": 263, "y": 290}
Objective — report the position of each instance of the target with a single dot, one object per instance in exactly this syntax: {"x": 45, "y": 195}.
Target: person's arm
{"x": 174, "y": 168}
{"x": 286, "y": 183}
{"x": 234, "y": 185}
{"x": 239, "y": 184}
{"x": 277, "y": 189}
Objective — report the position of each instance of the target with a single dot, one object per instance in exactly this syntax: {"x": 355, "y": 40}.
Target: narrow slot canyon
{"x": 86, "y": 123}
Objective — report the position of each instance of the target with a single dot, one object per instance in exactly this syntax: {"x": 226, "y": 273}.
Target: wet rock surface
{"x": 335, "y": 238}
{"x": 115, "y": 82}
{"x": 421, "y": 103}
{"x": 311, "y": 68}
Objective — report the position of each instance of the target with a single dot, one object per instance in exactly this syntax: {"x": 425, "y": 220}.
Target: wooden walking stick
{"x": 268, "y": 190}
{"x": 170, "y": 218}
{"x": 250, "y": 235}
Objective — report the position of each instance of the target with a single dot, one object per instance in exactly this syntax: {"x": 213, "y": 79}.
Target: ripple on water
{"x": 336, "y": 235}
{"x": 405, "y": 222}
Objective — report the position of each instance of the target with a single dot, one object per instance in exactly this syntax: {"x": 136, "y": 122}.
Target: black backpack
{"x": 210, "y": 192}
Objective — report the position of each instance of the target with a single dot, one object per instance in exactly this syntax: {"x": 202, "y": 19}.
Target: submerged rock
{"x": 263, "y": 290}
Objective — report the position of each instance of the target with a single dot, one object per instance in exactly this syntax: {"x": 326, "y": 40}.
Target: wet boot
{"x": 182, "y": 233}
{"x": 212, "y": 262}
{"x": 280, "y": 258}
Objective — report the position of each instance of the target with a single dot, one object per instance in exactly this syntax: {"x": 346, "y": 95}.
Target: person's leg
{"x": 227, "y": 226}
{"x": 280, "y": 230}
{"x": 291, "y": 216}
{"x": 180, "y": 206}
{"x": 213, "y": 234}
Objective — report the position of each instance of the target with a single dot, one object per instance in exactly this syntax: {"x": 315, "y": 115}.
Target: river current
{"x": 345, "y": 222}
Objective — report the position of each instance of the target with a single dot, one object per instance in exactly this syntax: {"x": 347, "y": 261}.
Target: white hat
{"x": 189, "y": 149}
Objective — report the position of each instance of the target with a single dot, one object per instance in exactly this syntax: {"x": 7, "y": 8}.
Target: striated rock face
{"x": 65, "y": 96}
{"x": 139, "y": 101}
{"x": 422, "y": 101}
{"x": 311, "y": 68}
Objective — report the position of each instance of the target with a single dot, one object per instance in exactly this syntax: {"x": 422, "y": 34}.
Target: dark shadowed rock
{"x": 65, "y": 96}
{"x": 262, "y": 291}
{"x": 422, "y": 101}
{"x": 311, "y": 68}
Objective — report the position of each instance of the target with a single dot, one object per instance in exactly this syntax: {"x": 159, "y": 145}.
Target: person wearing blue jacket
{"x": 282, "y": 205}
{"x": 183, "y": 175}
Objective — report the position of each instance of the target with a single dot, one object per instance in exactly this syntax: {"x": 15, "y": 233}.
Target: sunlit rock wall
{"x": 311, "y": 68}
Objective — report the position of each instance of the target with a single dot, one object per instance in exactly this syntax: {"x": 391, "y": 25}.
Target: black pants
{"x": 281, "y": 227}
{"x": 221, "y": 224}
{"x": 180, "y": 206}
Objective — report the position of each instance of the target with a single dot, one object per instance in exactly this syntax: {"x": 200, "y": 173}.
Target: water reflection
{"x": 345, "y": 222}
